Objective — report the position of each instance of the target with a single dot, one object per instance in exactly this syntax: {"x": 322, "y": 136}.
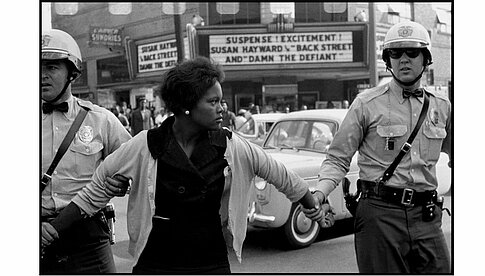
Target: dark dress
{"x": 187, "y": 234}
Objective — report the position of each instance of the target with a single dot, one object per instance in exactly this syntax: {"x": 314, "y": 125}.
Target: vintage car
{"x": 300, "y": 140}
{"x": 257, "y": 126}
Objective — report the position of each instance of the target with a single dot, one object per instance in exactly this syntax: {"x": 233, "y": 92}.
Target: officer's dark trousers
{"x": 390, "y": 238}
{"x": 84, "y": 249}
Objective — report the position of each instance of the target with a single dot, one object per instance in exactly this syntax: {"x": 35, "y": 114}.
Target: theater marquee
{"x": 298, "y": 48}
{"x": 308, "y": 47}
{"x": 158, "y": 56}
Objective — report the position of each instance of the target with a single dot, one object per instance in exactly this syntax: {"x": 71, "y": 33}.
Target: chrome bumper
{"x": 253, "y": 216}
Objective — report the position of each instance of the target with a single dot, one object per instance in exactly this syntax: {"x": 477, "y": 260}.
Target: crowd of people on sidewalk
{"x": 141, "y": 118}
{"x": 146, "y": 116}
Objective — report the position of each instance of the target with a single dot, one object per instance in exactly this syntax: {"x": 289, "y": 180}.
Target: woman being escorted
{"x": 191, "y": 181}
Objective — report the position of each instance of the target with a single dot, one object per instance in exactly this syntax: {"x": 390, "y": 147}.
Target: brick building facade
{"x": 316, "y": 54}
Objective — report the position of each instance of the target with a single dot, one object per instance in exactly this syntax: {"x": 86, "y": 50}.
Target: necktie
{"x": 47, "y": 108}
{"x": 416, "y": 93}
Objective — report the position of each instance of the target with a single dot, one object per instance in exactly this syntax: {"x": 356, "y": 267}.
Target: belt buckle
{"x": 407, "y": 197}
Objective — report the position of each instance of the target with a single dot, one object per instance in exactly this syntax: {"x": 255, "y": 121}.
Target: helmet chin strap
{"x": 63, "y": 91}
{"x": 407, "y": 83}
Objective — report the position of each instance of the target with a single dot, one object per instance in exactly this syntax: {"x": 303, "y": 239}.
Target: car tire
{"x": 299, "y": 231}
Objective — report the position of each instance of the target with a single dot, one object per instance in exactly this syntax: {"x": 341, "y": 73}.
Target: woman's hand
{"x": 49, "y": 234}
{"x": 315, "y": 214}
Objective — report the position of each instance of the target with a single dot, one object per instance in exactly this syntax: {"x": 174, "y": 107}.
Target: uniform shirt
{"x": 100, "y": 134}
{"x": 381, "y": 114}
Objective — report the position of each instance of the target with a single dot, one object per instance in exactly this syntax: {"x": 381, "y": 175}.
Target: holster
{"x": 109, "y": 215}
{"x": 351, "y": 200}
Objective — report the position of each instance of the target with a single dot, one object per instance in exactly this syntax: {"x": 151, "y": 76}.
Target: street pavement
{"x": 331, "y": 253}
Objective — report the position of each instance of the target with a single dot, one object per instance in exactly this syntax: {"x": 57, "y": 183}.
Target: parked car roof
{"x": 267, "y": 116}
{"x": 334, "y": 114}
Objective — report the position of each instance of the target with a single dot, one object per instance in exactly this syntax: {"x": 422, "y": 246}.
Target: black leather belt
{"x": 406, "y": 197}
{"x": 97, "y": 215}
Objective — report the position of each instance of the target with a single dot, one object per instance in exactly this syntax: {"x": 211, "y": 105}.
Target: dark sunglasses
{"x": 410, "y": 52}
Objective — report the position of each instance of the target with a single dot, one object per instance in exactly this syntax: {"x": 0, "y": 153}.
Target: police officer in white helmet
{"x": 398, "y": 215}
{"x": 84, "y": 249}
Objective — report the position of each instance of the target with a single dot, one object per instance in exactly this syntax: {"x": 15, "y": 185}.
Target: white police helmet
{"x": 407, "y": 34}
{"x": 58, "y": 45}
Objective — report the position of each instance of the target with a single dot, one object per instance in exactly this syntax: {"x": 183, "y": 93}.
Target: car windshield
{"x": 247, "y": 127}
{"x": 302, "y": 135}
{"x": 250, "y": 126}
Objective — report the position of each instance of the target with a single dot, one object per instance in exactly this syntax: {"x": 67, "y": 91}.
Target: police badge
{"x": 45, "y": 40}
{"x": 434, "y": 116}
{"x": 85, "y": 134}
{"x": 405, "y": 31}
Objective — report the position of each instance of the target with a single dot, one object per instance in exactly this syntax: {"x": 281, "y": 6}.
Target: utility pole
{"x": 179, "y": 39}
{"x": 176, "y": 9}
{"x": 373, "y": 77}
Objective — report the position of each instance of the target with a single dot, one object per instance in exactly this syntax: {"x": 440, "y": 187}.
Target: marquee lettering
{"x": 246, "y": 49}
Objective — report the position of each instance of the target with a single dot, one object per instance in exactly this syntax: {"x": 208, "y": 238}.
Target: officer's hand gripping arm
{"x": 117, "y": 185}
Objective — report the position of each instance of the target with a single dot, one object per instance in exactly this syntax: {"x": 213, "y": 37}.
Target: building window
{"x": 119, "y": 8}
{"x": 311, "y": 12}
{"x": 443, "y": 21}
{"x": 112, "y": 70}
{"x": 66, "y": 8}
{"x": 393, "y": 18}
{"x": 246, "y": 13}
{"x": 444, "y": 28}
{"x": 82, "y": 80}
{"x": 307, "y": 12}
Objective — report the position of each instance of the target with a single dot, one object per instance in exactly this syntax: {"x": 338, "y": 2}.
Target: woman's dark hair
{"x": 185, "y": 84}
